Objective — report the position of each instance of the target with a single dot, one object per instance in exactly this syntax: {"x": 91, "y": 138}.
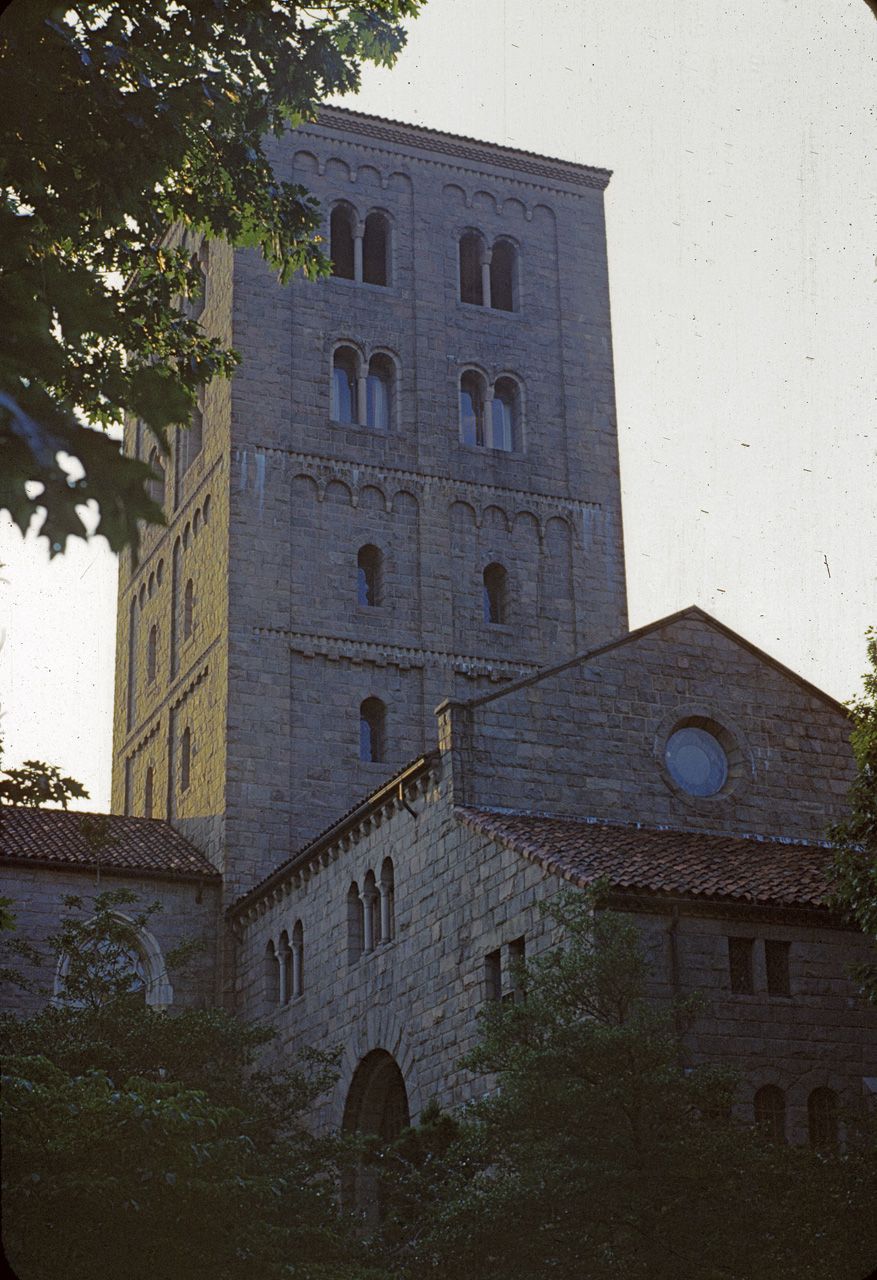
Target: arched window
{"x": 147, "y": 793}
{"x": 155, "y": 488}
{"x": 471, "y": 251}
{"x": 368, "y": 576}
{"x": 379, "y": 392}
{"x": 372, "y": 715}
{"x": 119, "y": 959}
{"x": 272, "y": 976}
{"x": 341, "y": 242}
{"x": 495, "y": 594}
{"x": 284, "y": 960}
{"x": 371, "y": 912}
{"x": 770, "y": 1112}
{"x": 355, "y": 924}
{"x": 375, "y": 242}
{"x": 388, "y": 903}
{"x": 822, "y": 1115}
{"x": 185, "y": 758}
{"x": 298, "y": 960}
{"x": 344, "y": 370}
{"x": 471, "y": 409}
{"x": 188, "y": 608}
{"x": 502, "y": 273}
{"x": 190, "y": 440}
{"x": 196, "y": 299}
{"x": 504, "y": 412}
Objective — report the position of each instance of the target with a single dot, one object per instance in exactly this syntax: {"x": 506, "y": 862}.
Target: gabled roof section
{"x": 546, "y": 170}
{"x": 661, "y": 861}
{"x": 692, "y": 613}
{"x": 54, "y": 838}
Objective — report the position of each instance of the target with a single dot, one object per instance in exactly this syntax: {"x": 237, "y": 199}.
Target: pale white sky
{"x": 742, "y": 243}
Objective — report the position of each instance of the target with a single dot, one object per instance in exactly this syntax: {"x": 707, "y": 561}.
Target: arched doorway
{"x": 377, "y": 1103}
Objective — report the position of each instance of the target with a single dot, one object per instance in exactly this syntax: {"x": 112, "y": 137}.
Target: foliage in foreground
{"x": 121, "y": 120}
{"x": 598, "y": 1155}
{"x": 142, "y": 1144}
{"x": 855, "y": 838}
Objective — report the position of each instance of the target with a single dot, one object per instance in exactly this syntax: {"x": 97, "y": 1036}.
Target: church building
{"x": 376, "y": 693}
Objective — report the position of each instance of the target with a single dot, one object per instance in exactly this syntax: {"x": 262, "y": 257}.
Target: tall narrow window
{"x": 147, "y": 793}
{"x": 493, "y": 975}
{"x": 372, "y": 716}
{"x": 502, "y": 270}
{"x": 517, "y": 956}
{"x": 272, "y": 975}
{"x": 471, "y": 409}
{"x": 284, "y": 962}
{"x": 368, "y": 576}
{"x": 190, "y": 440}
{"x": 344, "y": 386}
{"x": 151, "y": 652}
{"x": 770, "y": 1112}
{"x": 188, "y": 610}
{"x": 740, "y": 965}
{"x": 378, "y": 392}
{"x": 341, "y": 242}
{"x": 503, "y": 413}
{"x": 185, "y": 758}
{"x": 355, "y": 924}
{"x": 776, "y": 961}
{"x": 374, "y": 250}
{"x": 372, "y": 909}
{"x": 495, "y": 593}
{"x": 822, "y": 1116}
{"x": 155, "y": 487}
{"x": 471, "y": 290}
{"x": 386, "y": 889}
{"x": 298, "y": 960}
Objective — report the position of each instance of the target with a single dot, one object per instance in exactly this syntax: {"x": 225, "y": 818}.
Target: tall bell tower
{"x": 408, "y": 491}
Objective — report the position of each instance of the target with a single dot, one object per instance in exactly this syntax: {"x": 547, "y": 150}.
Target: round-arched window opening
{"x": 697, "y": 761}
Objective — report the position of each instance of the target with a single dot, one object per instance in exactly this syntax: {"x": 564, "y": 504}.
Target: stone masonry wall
{"x": 459, "y": 897}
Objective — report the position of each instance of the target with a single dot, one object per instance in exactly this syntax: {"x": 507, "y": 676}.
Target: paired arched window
{"x": 371, "y": 914}
{"x": 368, "y": 576}
{"x": 487, "y": 276}
{"x": 188, "y": 610}
{"x": 362, "y": 396}
{"x": 822, "y": 1117}
{"x": 271, "y": 975}
{"x": 297, "y": 984}
{"x": 147, "y": 793}
{"x": 770, "y": 1112}
{"x": 359, "y": 251}
{"x": 372, "y": 725}
{"x": 495, "y": 593}
{"x": 489, "y": 416}
{"x": 185, "y": 758}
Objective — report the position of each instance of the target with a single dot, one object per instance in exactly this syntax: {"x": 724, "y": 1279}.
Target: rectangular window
{"x": 740, "y": 965}
{"x": 517, "y": 956}
{"x": 776, "y": 962}
{"x": 493, "y": 975}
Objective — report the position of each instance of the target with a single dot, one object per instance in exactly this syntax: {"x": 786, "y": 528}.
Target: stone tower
{"x": 409, "y": 489}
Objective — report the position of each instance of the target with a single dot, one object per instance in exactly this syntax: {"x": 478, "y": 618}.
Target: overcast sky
{"x": 743, "y": 275}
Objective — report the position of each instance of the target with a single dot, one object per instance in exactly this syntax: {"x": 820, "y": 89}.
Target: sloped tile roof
{"x": 53, "y": 837}
{"x": 663, "y": 861}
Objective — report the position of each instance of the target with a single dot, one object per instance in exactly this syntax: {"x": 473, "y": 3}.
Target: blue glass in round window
{"x": 696, "y": 761}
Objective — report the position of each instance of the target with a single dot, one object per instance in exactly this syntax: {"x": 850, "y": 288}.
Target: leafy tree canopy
{"x": 598, "y": 1153}
{"x": 36, "y": 784}
{"x": 122, "y": 120}
{"x": 855, "y": 838}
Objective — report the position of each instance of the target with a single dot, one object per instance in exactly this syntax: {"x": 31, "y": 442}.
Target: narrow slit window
{"x": 372, "y": 715}
{"x": 493, "y": 975}
{"x": 341, "y": 242}
{"x": 387, "y": 891}
{"x": 495, "y": 594}
{"x": 368, "y": 574}
{"x": 517, "y": 957}
{"x": 355, "y": 924}
{"x": 470, "y": 268}
{"x": 272, "y": 975}
{"x": 151, "y": 653}
{"x": 185, "y": 758}
{"x": 188, "y": 610}
{"x": 147, "y": 793}
{"x": 471, "y": 410}
{"x": 502, "y": 269}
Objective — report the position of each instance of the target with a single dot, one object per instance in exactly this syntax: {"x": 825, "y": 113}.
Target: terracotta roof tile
{"x": 54, "y": 837}
{"x": 659, "y": 860}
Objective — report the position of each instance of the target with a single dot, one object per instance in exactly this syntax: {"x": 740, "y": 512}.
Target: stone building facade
{"x": 408, "y": 498}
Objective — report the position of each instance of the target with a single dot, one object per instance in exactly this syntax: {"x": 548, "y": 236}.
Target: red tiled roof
{"x": 652, "y": 860}
{"x": 54, "y": 837}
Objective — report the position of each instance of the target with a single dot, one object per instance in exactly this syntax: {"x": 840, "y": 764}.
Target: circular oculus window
{"x": 697, "y": 761}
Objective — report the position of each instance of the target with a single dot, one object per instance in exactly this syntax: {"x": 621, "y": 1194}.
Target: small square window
{"x": 776, "y": 961}
{"x": 740, "y": 965}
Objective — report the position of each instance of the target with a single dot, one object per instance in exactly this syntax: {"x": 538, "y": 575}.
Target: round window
{"x": 697, "y": 762}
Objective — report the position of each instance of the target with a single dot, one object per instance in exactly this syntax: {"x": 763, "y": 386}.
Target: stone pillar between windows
{"x": 361, "y": 401}
{"x": 487, "y": 429}
{"x": 296, "y": 970}
{"x": 486, "y": 258}
{"x": 368, "y": 923}
{"x": 281, "y": 960}
{"x": 386, "y": 913}
{"x": 357, "y": 252}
